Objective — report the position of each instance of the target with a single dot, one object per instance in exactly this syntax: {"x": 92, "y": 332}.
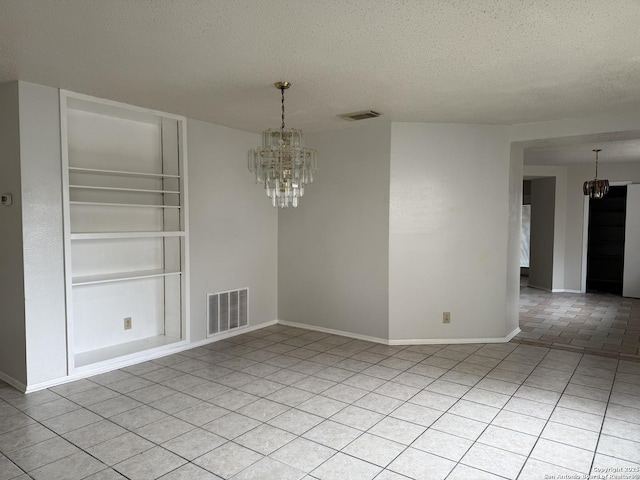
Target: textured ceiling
{"x": 571, "y": 154}
{"x": 476, "y": 61}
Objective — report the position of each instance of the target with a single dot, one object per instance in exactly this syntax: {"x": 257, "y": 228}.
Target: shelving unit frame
{"x": 171, "y": 238}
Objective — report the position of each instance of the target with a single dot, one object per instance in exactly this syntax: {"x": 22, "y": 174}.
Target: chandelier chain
{"x": 596, "y": 188}
{"x": 282, "y": 99}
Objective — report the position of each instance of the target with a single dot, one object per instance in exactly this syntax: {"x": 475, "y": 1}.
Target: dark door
{"x": 605, "y": 248}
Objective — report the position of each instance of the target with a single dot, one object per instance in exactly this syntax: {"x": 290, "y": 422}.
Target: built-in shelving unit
{"x": 124, "y": 178}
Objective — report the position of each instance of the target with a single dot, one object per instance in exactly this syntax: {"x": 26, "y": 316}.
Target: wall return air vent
{"x": 227, "y": 311}
{"x": 363, "y": 115}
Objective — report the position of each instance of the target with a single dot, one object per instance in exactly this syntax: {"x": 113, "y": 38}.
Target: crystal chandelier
{"x": 283, "y": 163}
{"x": 596, "y": 188}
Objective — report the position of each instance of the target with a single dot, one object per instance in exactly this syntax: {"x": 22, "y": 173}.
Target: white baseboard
{"x": 537, "y": 287}
{"x": 115, "y": 365}
{"x": 440, "y": 341}
{"x": 554, "y": 290}
{"x": 515, "y": 332}
{"x": 222, "y": 336}
{"x": 413, "y": 341}
{"x": 334, "y": 332}
{"x": 145, "y": 358}
{"x": 13, "y": 382}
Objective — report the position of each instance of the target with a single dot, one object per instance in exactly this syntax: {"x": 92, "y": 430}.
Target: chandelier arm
{"x": 596, "y": 164}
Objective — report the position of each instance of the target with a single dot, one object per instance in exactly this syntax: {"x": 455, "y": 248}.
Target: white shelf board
{"x": 123, "y": 173}
{"x": 101, "y": 204}
{"x": 119, "y": 189}
{"x": 108, "y": 235}
{"x": 120, "y": 276}
{"x": 122, "y": 350}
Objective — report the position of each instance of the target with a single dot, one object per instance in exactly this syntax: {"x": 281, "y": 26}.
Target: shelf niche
{"x": 125, "y": 230}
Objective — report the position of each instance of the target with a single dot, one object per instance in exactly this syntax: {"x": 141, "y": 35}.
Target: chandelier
{"x": 596, "y": 188}
{"x": 283, "y": 163}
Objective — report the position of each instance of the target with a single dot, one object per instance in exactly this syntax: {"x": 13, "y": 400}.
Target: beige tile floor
{"x": 600, "y": 324}
{"x": 285, "y": 403}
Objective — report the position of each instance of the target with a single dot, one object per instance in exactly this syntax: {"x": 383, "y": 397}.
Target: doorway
{"x": 606, "y": 241}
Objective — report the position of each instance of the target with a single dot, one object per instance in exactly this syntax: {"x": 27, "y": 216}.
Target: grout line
{"x": 242, "y": 354}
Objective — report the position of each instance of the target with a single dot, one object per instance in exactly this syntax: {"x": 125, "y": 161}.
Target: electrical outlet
{"x": 446, "y": 317}
{"x": 127, "y": 323}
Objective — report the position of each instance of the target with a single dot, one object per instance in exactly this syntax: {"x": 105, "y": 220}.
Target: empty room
{"x": 323, "y": 240}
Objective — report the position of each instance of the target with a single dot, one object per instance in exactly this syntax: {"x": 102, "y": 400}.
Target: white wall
{"x": 512, "y": 300}
{"x": 543, "y": 202}
{"x": 333, "y": 249}
{"x": 449, "y": 231}
{"x": 631, "y": 280}
{"x": 44, "y": 284}
{"x": 558, "y": 234}
{"x": 233, "y": 228}
{"x": 12, "y": 340}
{"x": 439, "y": 206}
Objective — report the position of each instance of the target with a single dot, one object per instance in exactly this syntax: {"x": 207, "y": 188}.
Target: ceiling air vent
{"x": 364, "y": 114}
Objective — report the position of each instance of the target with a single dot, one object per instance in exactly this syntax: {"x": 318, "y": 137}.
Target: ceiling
{"x": 580, "y": 153}
{"x": 480, "y": 61}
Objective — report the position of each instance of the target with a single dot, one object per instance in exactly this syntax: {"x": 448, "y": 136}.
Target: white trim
{"x": 232, "y": 333}
{"x": 183, "y": 171}
{"x": 154, "y": 117}
{"x": 13, "y": 382}
{"x": 81, "y": 367}
{"x": 101, "y": 171}
{"x": 585, "y": 245}
{"x": 120, "y": 105}
{"x": 515, "y": 332}
{"x": 537, "y": 287}
{"x": 121, "y": 364}
{"x": 585, "y": 235}
{"x": 123, "y": 189}
{"x": 565, "y": 290}
{"x": 111, "y": 235}
{"x": 334, "y": 332}
{"x": 120, "y": 276}
{"x": 66, "y": 225}
{"x": 115, "y": 365}
{"x": 126, "y": 205}
{"x": 438, "y": 341}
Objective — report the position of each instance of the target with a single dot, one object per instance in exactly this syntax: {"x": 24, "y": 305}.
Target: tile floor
{"x": 600, "y": 324}
{"x": 285, "y": 403}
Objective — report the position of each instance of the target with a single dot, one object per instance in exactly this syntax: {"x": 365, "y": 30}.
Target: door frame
{"x": 585, "y": 235}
